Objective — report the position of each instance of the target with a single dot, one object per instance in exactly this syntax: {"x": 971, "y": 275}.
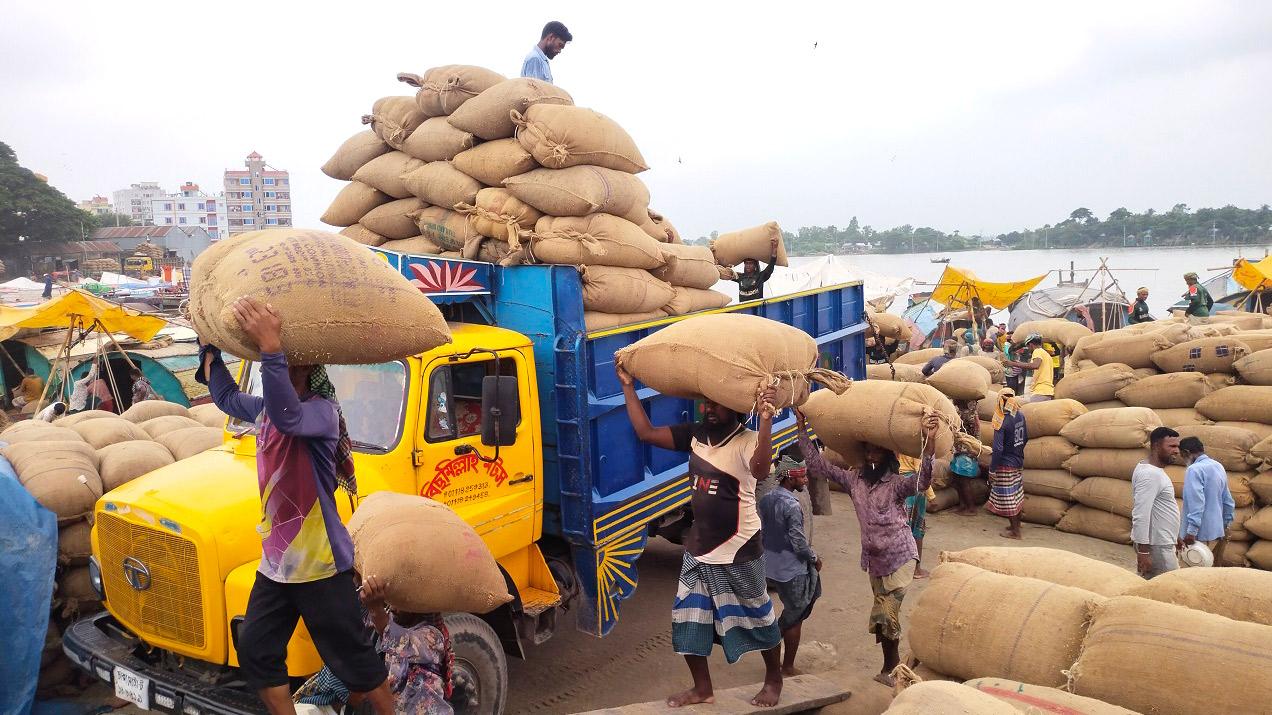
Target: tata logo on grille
{"x": 136, "y": 573}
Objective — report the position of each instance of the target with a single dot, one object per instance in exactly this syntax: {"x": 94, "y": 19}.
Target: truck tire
{"x": 481, "y": 672}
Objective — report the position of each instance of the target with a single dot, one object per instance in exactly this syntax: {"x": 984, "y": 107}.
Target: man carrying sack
{"x": 303, "y": 452}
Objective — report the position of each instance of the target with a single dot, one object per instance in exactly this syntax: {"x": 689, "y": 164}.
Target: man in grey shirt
{"x": 1154, "y": 513}
{"x": 790, "y": 564}
{"x": 551, "y": 41}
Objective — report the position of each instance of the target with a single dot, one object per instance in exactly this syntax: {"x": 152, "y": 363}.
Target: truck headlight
{"x": 95, "y": 577}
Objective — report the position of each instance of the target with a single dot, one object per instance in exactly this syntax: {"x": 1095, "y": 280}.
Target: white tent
{"x": 823, "y": 271}
{"x": 21, "y": 284}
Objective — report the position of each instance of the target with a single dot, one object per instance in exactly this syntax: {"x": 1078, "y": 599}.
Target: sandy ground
{"x": 575, "y": 672}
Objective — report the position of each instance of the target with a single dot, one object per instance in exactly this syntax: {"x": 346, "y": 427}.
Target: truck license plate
{"x": 132, "y": 687}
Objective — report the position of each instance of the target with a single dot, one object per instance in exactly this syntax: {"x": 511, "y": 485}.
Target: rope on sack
{"x": 903, "y": 677}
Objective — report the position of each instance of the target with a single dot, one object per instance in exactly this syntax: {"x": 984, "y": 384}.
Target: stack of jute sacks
{"x": 69, "y": 464}
{"x": 510, "y": 170}
{"x": 1053, "y": 619}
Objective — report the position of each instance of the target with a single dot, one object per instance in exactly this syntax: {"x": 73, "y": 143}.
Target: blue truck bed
{"x": 602, "y": 487}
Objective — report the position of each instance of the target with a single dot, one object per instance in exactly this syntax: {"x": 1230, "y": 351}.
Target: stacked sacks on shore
{"x": 511, "y": 171}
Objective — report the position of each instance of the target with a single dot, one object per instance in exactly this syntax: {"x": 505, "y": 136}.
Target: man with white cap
{"x": 1138, "y": 312}
{"x": 1208, "y": 503}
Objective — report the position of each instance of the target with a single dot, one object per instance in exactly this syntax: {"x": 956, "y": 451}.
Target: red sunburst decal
{"x": 434, "y": 277}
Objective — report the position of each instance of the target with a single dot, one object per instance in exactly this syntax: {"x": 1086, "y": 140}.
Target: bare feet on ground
{"x": 689, "y": 697}
{"x": 768, "y": 695}
{"x": 920, "y": 572}
{"x": 1008, "y": 534}
{"x": 886, "y": 679}
{"x": 966, "y": 512}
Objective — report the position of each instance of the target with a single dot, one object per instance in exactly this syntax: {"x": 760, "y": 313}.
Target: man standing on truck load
{"x": 1138, "y": 312}
{"x": 1154, "y": 513}
{"x": 1208, "y": 502}
{"x": 751, "y": 280}
{"x": 888, "y": 552}
{"x": 303, "y": 452}
{"x": 790, "y": 564}
{"x": 551, "y": 41}
{"x": 722, "y": 595}
{"x": 1199, "y": 300}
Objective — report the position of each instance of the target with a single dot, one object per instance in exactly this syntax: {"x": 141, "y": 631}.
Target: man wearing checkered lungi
{"x": 1006, "y": 466}
{"x": 722, "y": 596}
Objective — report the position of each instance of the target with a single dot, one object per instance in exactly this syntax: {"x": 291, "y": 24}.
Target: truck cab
{"x": 546, "y": 468}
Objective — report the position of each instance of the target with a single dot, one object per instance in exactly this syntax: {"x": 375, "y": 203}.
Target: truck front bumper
{"x": 99, "y": 644}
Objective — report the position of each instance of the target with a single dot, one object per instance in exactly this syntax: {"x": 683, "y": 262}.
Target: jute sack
{"x": 1240, "y": 319}
{"x": 444, "y": 89}
{"x": 78, "y": 417}
{"x": 940, "y": 696}
{"x": 1158, "y": 657}
{"x": 919, "y": 357}
{"x": 500, "y": 215}
{"x": 363, "y": 235}
{"x": 167, "y": 423}
{"x": 1169, "y": 391}
{"x": 208, "y": 415}
{"x": 600, "y": 321}
{"x": 734, "y": 247}
{"x": 1047, "y": 418}
{"x": 123, "y": 462}
{"x": 150, "y": 409}
{"x": 971, "y": 622}
{"x": 189, "y": 441}
{"x": 1143, "y": 372}
{"x": 1261, "y": 485}
{"x": 1131, "y": 350}
{"x": 1096, "y": 523}
{"x": 385, "y": 173}
{"x": 1230, "y": 446}
{"x": 62, "y": 476}
{"x": 1053, "y": 330}
{"x": 1255, "y": 368}
{"x": 1259, "y": 554}
{"x": 492, "y": 162}
{"x": 891, "y": 326}
{"x": 948, "y": 497}
{"x": 1104, "y": 493}
{"x": 352, "y": 203}
{"x": 1125, "y": 428}
{"x": 727, "y": 358}
{"x": 1095, "y": 385}
{"x": 46, "y": 433}
{"x": 494, "y": 251}
{"x": 394, "y": 220}
{"x": 1256, "y": 340}
{"x": 353, "y": 153}
{"x": 887, "y": 414}
{"x": 33, "y": 426}
{"x": 437, "y": 140}
{"x": 1056, "y": 483}
{"x": 691, "y": 300}
{"x": 992, "y": 366}
{"x": 1235, "y": 554}
{"x": 429, "y": 558}
{"x": 1047, "y": 511}
{"x": 489, "y": 114}
{"x": 1105, "y": 405}
{"x": 339, "y": 303}
{"x": 75, "y": 544}
{"x": 449, "y": 230}
{"x": 1238, "y": 403}
{"x": 654, "y": 230}
{"x": 607, "y": 289}
{"x": 1239, "y": 594}
{"x": 1207, "y": 355}
{"x": 1038, "y": 699}
{"x": 986, "y": 430}
{"x": 415, "y": 245}
{"x": 75, "y": 593}
{"x": 582, "y": 190}
{"x": 562, "y": 135}
{"x": 1261, "y": 451}
{"x": 1048, "y": 452}
{"x": 1057, "y": 566}
{"x": 687, "y": 266}
{"x": 896, "y": 372}
{"x": 100, "y": 433}
{"x": 394, "y": 118}
{"x": 600, "y": 240}
{"x": 961, "y": 380}
{"x": 1261, "y": 523}
{"x": 673, "y": 236}
{"x": 1181, "y": 417}
{"x": 1237, "y": 530}
{"x": 1219, "y": 380}
{"x": 440, "y": 184}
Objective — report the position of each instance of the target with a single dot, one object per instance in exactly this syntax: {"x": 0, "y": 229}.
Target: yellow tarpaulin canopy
{"x": 958, "y": 286}
{"x": 78, "y": 309}
{"x": 1252, "y": 275}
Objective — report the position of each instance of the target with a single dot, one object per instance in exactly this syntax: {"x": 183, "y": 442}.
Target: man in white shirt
{"x": 551, "y": 42}
{"x": 1154, "y": 513}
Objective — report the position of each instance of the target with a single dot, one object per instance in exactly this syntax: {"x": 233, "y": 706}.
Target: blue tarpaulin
{"x": 28, "y": 559}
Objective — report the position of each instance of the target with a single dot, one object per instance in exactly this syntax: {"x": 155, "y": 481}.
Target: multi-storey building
{"x": 258, "y": 197}
{"x": 190, "y": 207}
{"x": 98, "y": 206}
{"x": 135, "y": 201}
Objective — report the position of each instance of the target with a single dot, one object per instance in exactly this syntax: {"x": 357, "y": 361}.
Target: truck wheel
{"x": 480, "y": 678}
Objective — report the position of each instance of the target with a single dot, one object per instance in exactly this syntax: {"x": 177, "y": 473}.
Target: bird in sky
{"x": 814, "y": 45}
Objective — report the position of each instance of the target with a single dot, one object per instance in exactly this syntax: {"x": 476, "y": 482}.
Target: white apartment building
{"x": 135, "y": 201}
{"x": 189, "y": 208}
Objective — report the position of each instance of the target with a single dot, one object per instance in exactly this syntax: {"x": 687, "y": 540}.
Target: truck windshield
{"x": 371, "y": 398}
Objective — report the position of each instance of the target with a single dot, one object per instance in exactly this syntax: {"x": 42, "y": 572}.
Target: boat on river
{"x": 1101, "y": 294}
{"x": 1244, "y": 286}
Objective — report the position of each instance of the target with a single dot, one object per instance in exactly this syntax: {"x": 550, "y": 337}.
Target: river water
{"x": 1161, "y": 270}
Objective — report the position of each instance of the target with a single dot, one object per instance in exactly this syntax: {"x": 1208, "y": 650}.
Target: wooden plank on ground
{"x": 799, "y": 694}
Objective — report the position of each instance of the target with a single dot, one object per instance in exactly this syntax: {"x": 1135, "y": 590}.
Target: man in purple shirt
{"x": 888, "y": 551}
{"x": 306, "y": 553}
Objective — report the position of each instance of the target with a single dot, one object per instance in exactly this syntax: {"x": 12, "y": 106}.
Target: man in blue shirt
{"x": 551, "y": 42}
{"x": 1208, "y": 505}
{"x": 790, "y": 564}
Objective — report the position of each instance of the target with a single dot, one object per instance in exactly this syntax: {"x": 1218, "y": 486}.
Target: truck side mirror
{"x": 500, "y": 410}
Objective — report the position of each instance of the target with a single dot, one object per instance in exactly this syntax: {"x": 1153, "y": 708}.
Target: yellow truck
{"x": 563, "y": 494}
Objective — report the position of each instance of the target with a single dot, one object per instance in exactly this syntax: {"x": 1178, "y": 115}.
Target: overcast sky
{"x": 981, "y": 117}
